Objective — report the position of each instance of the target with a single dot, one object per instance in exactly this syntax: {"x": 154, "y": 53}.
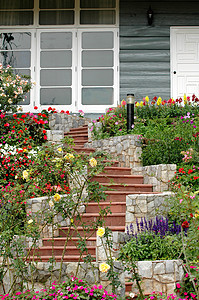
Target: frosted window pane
{"x": 56, "y": 59}
{"x": 97, "y": 3}
{"x": 97, "y": 58}
{"x": 97, "y": 77}
{"x": 56, "y": 40}
{"x": 97, "y": 17}
{"x": 18, "y": 40}
{"x": 56, "y": 96}
{"x": 22, "y": 72}
{"x": 16, "y": 4}
{"x": 97, "y": 96}
{"x": 56, "y": 17}
{"x": 16, "y": 18}
{"x": 26, "y": 100}
{"x": 97, "y": 40}
{"x": 56, "y": 77}
{"x": 15, "y": 59}
{"x": 56, "y": 4}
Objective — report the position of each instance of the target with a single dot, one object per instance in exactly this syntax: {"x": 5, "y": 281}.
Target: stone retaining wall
{"x": 64, "y": 122}
{"x": 126, "y": 149}
{"x": 55, "y": 136}
{"x": 145, "y": 206}
{"x": 158, "y": 175}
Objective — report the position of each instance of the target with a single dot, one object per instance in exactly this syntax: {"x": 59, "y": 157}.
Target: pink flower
{"x": 178, "y": 286}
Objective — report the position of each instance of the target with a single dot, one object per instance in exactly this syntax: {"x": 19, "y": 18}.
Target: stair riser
{"x": 116, "y": 172}
{"x": 58, "y": 243}
{"x": 80, "y": 137}
{"x": 84, "y": 150}
{"x": 130, "y": 189}
{"x": 109, "y": 221}
{"x": 119, "y": 208}
{"x": 73, "y": 132}
{"x": 125, "y": 180}
{"x": 59, "y": 252}
{"x": 116, "y": 198}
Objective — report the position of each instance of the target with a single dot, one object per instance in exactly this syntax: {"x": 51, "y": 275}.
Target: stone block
{"x": 170, "y": 287}
{"x": 169, "y": 266}
{"x": 130, "y": 218}
{"x": 145, "y": 268}
{"x": 159, "y": 268}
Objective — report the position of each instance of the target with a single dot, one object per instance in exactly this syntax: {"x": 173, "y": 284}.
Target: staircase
{"x": 118, "y": 178}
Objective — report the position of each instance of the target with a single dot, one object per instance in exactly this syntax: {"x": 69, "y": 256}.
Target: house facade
{"x": 88, "y": 54}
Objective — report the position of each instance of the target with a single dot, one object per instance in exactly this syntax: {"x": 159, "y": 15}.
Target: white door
{"x": 184, "y": 61}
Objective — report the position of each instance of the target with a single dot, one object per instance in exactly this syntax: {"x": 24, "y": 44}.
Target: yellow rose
{"x": 101, "y": 231}
{"x": 69, "y": 156}
{"x": 30, "y": 221}
{"x": 103, "y": 267}
{"x": 57, "y": 197}
{"x": 25, "y": 174}
{"x": 141, "y": 103}
{"x": 92, "y": 162}
{"x": 137, "y": 104}
{"x": 51, "y": 203}
{"x": 59, "y": 149}
{"x": 147, "y": 99}
{"x": 159, "y": 101}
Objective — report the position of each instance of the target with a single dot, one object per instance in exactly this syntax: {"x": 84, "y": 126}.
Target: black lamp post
{"x": 130, "y": 100}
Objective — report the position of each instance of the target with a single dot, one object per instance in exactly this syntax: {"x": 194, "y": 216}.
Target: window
{"x": 69, "y": 47}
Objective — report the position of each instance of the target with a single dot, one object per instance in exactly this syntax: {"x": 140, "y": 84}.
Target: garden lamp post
{"x": 130, "y": 100}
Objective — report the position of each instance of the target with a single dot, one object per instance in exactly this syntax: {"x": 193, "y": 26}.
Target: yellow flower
{"x": 159, "y": 101}
{"x": 185, "y": 98}
{"x": 137, "y": 104}
{"x": 101, "y": 231}
{"x": 30, "y": 221}
{"x": 141, "y": 103}
{"x": 197, "y": 214}
{"x": 147, "y": 98}
{"x": 72, "y": 221}
{"x": 25, "y": 174}
{"x": 92, "y": 162}
{"x": 69, "y": 156}
{"x": 51, "y": 203}
{"x": 103, "y": 267}
{"x": 25, "y": 150}
{"x": 59, "y": 149}
{"x": 57, "y": 197}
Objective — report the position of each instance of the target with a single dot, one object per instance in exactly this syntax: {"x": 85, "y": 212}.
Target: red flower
{"x": 181, "y": 170}
{"x": 35, "y": 107}
{"x": 45, "y": 137}
{"x": 185, "y": 224}
{"x": 190, "y": 171}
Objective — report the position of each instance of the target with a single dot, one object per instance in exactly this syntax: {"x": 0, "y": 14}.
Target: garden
{"x": 33, "y": 168}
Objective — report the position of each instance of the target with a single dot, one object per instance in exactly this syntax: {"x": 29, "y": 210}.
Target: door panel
{"x": 184, "y": 61}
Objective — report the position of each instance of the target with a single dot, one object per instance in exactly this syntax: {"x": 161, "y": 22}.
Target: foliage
{"x": 186, "y": 175}
{"x": 185, "y": 288}
{"x": 171, "y": 108}
{"x": 12, "y": 89}
{"x": 73, "y": 288}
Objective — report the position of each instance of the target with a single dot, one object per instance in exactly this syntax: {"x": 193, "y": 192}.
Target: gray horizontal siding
{"x": 145, "y": 50}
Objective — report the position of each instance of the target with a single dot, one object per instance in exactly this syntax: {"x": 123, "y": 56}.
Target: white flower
{"x": 132, "y": 295}
{"x": 51, "y": 203}
{"x": 30, "y": 221}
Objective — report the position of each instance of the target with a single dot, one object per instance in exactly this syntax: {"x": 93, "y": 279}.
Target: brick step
{"x": 128, "y": 286}
{"x": 81, "y": 131}
{"x": 129, "y": 187}
{"x": 115, "y": 196}
{"x": 116, "y": 171}
{"x": 112, "y": 179}
{"x": 115, "y": 207}
{"x": 57, "y": 251}
{"x": 115, "y": 219}
{"x": 114, "y": 163}
{"x": 80, "y": 143}
{"x": 84, "y": 127}
{"x": 78, "y": 136}
{"x": 83, "y": 150}
{"x": 60, "y": 241}
{"x": 63, "y": 231}
{"x": 67, "y": 258}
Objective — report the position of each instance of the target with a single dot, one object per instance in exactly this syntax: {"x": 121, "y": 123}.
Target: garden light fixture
{"x": 130, "y": 100}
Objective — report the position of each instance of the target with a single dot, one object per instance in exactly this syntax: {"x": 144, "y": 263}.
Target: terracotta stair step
{"x": 63, "y": 231}
{"x": 74, "y": 132}
{"x": 80, "y": 143}
{"x": 58, "y": 250}
{"x": 67, "y": 258}
{"x": 84, "y": 127}
{"x": 116, "y": 171}
{"x": 112, "y": 179}
{"x": 114, "y": 163}
{"x": 115, "y": 219}
{"x": 128, "y": 286}
{"x": 78, "y": 136}
{"x": 115, "y": 196}
{"x": 129, "y": 187}
{"x": 83, "y": 150}
{"x": 60, "y": 241}
{"x": 115, "y": 207}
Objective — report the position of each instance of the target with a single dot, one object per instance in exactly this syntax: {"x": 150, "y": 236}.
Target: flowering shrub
{"x": 159, "y": 108}
{"x": 185, "y": 289}
{"x": 73, "y": 288}
{"x": 12, "y": 89}
{"x": 152, "y": 241}
{"x": 186, "y": 175}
